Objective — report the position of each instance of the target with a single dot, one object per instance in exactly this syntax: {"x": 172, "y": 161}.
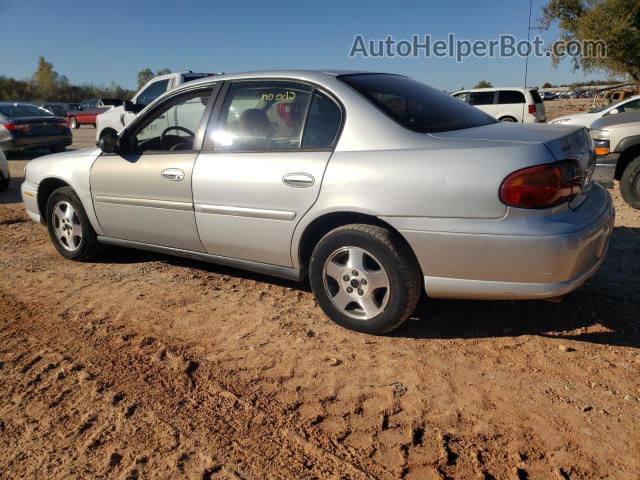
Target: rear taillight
{"x": 533, "y": 110}
{"x": 14, "y": 127}
{"x": 542, "y": 186}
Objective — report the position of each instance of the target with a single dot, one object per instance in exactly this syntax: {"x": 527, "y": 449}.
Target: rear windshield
{"x": 415, "y": 105}
{"x": 21, "y": 110}
{"x": 536, "y": 96}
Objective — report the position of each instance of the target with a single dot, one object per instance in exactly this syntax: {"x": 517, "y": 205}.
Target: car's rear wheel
{"x": 630, "y": 183}
{"x": 365, "y": 278}
{"x": 69, "y": 227}
{"x": 508, "y": 119}
{"x": 73, "y": 122}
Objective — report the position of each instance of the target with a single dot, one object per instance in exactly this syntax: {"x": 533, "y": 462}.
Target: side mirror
{"x": 614, "y": 111}
{"x": 109, "y": 143}
{"x": 129, "y": 106}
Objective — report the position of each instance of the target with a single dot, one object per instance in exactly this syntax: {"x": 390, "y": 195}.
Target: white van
{"x": 506, "y": 104}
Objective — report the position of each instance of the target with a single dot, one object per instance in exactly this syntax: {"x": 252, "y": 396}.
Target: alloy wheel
{"x": 356, "y": 282}
{"x": 66, "y": 225}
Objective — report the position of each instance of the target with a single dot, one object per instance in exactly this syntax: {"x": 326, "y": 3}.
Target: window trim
{"x": 208, "y": 145}
{"x": 132, "y": 128}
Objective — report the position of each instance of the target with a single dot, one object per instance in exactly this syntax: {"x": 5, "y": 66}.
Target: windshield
{"x": 415, "y": 105}
{"x": 22, "y": 110}
{"x": 605, "y": 107}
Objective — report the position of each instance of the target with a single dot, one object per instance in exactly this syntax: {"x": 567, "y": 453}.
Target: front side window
{"x": 172, "y": 126}
{"x": 481, "y": 98}
{"x": 461, "y": 96}
{"x": 323, "y": 122}
{"x": 262, "y": 116}
{"x": 507, "y": 97}
{"x": 152, "y": 92}
{"x": 416, "y": 106}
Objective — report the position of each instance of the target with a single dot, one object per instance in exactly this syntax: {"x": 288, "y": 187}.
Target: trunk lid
{"x": 564, "y": 142}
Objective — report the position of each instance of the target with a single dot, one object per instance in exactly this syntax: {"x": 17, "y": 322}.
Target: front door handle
{"x": 298, "y": 180}
{"x": 173, "y": 174}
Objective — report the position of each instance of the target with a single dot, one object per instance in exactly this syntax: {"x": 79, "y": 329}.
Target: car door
{"x": 86, "y": 110}
{"x": 511, "y": 104}
{"x": 260, "y": 170}
{"x": 143, "y": 193}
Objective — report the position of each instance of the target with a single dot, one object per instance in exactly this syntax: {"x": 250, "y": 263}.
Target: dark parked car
{"x": 88, "y": 110}
{"x": 24, "y": 126}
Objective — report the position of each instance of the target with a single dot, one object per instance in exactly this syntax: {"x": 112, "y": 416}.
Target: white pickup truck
{"x": 113, "y": 120}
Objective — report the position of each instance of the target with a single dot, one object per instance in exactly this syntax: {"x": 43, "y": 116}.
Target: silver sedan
{"x": 371, "y": 185}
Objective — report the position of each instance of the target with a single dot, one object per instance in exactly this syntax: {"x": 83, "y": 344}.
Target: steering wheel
{"x": 174, "y": 127}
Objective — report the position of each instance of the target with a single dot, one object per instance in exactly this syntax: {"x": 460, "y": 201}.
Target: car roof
{"x": 308, "y": 75}
{"x": 493, "y": 89}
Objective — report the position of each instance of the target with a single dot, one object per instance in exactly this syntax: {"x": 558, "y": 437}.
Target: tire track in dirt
{"x": 153, "y": 405}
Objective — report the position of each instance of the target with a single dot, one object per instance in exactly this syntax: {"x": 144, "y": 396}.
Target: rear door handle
{"x": 173, "y": 174}
{"x": 298, "y": 180}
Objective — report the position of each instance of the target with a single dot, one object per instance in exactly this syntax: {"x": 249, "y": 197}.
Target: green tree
{"x": 147, "y": 74}
{"x": 483, "y": 84}
{"x": 615, "y": 23}
{"x": 45, "y": 80}
{"x": 144, "y": 76}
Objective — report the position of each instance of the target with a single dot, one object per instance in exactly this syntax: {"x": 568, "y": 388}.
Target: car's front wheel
{"x": 69, "y": 227}
{"x": 365, "y": 278}
{"x": 630, "y": 183}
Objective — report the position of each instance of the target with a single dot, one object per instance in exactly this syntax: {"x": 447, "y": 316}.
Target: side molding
{"x": 263, "y": 268}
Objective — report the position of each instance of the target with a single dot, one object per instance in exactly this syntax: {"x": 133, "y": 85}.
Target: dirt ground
{"x": 147, "y": 366}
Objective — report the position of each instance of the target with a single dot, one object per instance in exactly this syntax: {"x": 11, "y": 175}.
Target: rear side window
{"x": 510, "y": 96}
{"x": 536, "y": 96}
{"x": 323, "y": 122}
{"x": 416, "y": 106}
{"x": 262, "y": 116}
{"x": 482, "y": 98}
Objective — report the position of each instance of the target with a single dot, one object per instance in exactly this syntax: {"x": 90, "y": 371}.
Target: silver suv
{"x": 371, "y": 185}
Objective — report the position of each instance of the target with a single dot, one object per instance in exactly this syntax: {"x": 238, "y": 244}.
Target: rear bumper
{"x": 27, "y": 143}
{"x": 606, "y": 167}
{"x": 522, "y": 265}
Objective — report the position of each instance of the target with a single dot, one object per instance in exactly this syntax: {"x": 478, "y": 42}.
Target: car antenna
{"x": 526, "y": 60}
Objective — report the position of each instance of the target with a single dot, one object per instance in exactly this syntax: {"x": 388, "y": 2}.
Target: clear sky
{"x": 101, "y": 41}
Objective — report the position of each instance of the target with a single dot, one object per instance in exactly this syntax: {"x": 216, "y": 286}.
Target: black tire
{"x": 630, "y": 184}
{"x": 508, "y": 119}
{"x": 88, "y": 247}
{"x": 57, "y": 148}
{"x": 4, "y": 183}
{"x": 73, "y": 122}
{"x": 392, "y": 253}
{"x": 107, "y": 131}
